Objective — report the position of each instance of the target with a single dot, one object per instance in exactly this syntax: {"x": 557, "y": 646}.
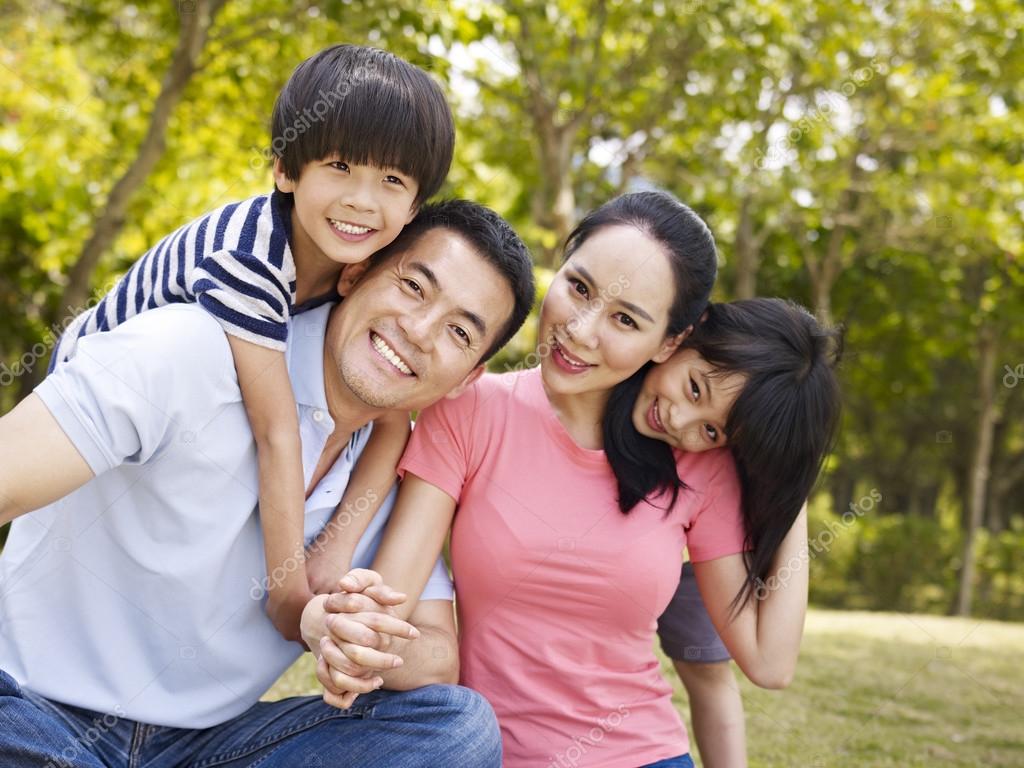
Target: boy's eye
{"x": 394, "y": 180}
{"x": 339, "y": 166}
{"x": 579, "y": 287}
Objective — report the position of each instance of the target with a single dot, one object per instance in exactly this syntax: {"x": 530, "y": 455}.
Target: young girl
{"x": 361, "y": 139}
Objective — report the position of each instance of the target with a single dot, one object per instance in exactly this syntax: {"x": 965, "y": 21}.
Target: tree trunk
{"x": 195, "y": 21}
{"x": 980, "y": 462}
{"x": 747, "y": 253}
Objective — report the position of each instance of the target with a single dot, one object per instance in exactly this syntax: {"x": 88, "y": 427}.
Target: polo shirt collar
{"x": 306, "y": 334}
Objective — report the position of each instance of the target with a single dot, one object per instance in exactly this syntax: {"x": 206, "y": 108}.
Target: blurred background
{"x": 861, "y": 158}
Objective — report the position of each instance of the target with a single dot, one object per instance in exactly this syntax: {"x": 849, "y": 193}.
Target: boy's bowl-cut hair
{"x": 369, "y": 107}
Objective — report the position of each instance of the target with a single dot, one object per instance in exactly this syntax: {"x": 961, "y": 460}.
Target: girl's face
{"x": 606, "y": 312}
{"x": 683, "y": 404}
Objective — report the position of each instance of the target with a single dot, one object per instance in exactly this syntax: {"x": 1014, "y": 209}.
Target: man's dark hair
{"x": 369, "y": 107}
{"x": 491, "y": 237}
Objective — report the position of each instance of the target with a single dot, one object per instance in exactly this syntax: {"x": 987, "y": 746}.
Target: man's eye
{"x": 413, "y": 285}
{"x": 578, "y": 286}
{"x": 461, "y": 333}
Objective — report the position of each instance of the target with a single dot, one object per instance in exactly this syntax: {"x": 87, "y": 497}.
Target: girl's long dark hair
{"x": 779, "y": 430}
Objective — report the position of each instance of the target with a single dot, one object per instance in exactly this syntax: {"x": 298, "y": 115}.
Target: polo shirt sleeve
{"x": 248, "y": 295}
{"x": 440, "y": 448}
{"x": 127, "y": 392}
{"x": 717, "y": 529}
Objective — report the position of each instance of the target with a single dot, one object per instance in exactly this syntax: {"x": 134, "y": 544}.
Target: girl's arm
{"x": 764, "y": 637}
{"x": 270, "y": 405}
{"x": 330, "y": 555}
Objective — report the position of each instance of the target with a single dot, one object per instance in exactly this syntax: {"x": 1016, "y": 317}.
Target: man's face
{"x": 413, "y": 330}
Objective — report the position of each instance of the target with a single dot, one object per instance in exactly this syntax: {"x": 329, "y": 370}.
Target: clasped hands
{"x": 353, "y": 632}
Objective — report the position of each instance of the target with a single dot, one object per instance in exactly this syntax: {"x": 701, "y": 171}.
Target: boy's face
{"x": 683, "y": 405}
{"x": 344, "y": 213}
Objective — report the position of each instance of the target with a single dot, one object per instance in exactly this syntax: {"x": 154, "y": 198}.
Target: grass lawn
{"x": 874, "y": 689}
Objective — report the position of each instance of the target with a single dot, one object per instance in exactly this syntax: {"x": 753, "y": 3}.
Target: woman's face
{"x": 683, "y": 404}
{"x": 606, "y": 312}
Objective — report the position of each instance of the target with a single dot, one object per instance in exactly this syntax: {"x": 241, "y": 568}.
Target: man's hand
{"x": 358, "y": 625}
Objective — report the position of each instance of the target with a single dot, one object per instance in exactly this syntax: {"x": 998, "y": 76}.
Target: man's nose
{"x": 419, "y": 329}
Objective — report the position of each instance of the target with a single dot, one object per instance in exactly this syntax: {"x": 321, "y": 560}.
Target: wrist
{"x": 311, "y": 624}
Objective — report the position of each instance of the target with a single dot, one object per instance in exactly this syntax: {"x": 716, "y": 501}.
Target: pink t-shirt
{"x": 558, "y": 592}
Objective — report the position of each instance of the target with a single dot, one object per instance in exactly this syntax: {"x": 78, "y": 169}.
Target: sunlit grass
{"x": 874, "y": 689}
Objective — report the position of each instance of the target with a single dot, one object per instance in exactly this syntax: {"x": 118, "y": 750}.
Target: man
{"x": 127, "y": 612}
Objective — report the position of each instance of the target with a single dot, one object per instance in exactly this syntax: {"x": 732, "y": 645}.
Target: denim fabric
{"x": 683, "y": 761}
{"x": 430, "y": 726}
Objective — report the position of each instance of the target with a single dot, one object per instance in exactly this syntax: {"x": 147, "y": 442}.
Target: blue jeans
{"x": 435, "y": 725}
{"x": 683, "y": 761}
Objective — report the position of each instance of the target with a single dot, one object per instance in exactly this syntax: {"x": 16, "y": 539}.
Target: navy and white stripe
{"x": 235, "y": 262}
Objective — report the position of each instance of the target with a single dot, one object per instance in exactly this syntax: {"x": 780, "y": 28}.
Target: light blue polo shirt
{"x": 139, "y": 593}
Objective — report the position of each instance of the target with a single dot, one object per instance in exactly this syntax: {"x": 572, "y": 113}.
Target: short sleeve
{"x": 249, "y": 296}
{"x": 439, "y": 450}
{"x": 717, "y": 528}
{"x": 125, "y": 393}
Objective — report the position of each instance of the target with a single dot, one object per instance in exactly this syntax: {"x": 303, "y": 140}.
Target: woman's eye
{"x": 413, "y": 285}
{"x": 712, "y": 432}
{"x": 578, "y": 286}
{"x": 694, "y": 389}
{"x": 626, "y": 320}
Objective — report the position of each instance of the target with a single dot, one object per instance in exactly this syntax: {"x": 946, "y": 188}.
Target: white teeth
{"x": 565, "y": 356}
{"x": 390, "y": 355}
{"x": 348, "y": 229}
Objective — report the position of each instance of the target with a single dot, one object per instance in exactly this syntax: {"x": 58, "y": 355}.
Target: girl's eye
{"x": 394, "y": 180}
{"x": 694, "y": 389}
{"x": 413, "y": 285}
{"x": 579, "y": 287}
{"x": 339, "y": 166}
{"x": 627, "y": 321}
{"x": 712, "y": 432}
{"x": 461, "y": 333}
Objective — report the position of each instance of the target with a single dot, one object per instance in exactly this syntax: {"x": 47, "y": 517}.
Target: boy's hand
{"x": 325, "y": 567}
{"x": 284, "y": 607}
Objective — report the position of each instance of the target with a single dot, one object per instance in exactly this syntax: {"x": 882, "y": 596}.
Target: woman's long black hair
{"x": 643, "y": 465}
{"x": 779, "y": 430}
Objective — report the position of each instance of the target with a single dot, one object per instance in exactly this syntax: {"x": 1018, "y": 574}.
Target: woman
{"x": 559, "y": 590}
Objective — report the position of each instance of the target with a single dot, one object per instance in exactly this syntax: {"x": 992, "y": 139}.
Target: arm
{"x": 38, "y": 462}
{"x": 270, "y": 405}
{"x": 372, "y": 478}
{"x": 413, "y": 538}
{"x": 764, "y": 637}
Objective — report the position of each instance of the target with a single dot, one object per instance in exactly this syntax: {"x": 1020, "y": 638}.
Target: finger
{"x": 348, "y": 683}
{"x": 341, "y": 702}
{"x": 336, "y": 659}
{"x": 354, "y": 602}
{"x": 385, "y": 595}
{"x": 374, "y": 630}
{"x": 323, "y": 676}
{"x": 359, "y": 579}
{"x": 370, "y": 658}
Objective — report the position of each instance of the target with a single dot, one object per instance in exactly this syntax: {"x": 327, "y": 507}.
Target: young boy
{"x": 360, "y": 139}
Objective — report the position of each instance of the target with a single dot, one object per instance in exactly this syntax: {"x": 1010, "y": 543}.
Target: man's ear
{"x": 281, "y": 180}
{"x": 350, "y": 275}
{"x": 467, "y": 382}
{"x": 671, "y": 345}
